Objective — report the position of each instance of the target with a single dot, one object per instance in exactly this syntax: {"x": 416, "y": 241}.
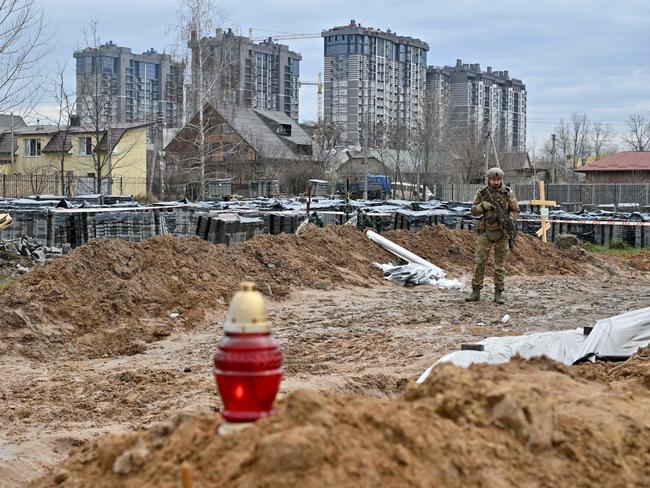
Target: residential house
{"x": 241, "y": 143}
{"x": 41, "y": 150}
{"x": 8, "y": 124}
{"x": 520, "y": 170}
{"x": 623, "y": 167}
{"x": 403, "y": 167}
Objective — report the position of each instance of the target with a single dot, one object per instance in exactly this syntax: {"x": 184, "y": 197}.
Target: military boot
{"x": 475, "y": 296}
{"x": 498, "y": 297}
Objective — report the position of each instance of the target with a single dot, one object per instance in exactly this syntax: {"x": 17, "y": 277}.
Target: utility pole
{"x": 12, "y": 141}
{"x": 553, "y": 158}
{"x": 110, "y": 146}
{"x": 487, "y": 151}
{"x": 157, "y": 143}
{"x": 365, "y": 174}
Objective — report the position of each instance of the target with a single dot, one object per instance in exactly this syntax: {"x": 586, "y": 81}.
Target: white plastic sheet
{"x": 415, "y": 274}
{"x": 418, "y": 270}
{"x": 562, "y": 346}
{"x": 617, "y": 337}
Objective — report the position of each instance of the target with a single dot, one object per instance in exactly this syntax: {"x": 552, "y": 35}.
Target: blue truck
{"x": 379, "y": 187}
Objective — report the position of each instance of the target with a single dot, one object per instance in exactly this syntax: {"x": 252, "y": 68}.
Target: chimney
{"x": 506, "y": 75}
{"x": 489, "y": 69}
{"x": 459, "y": 63}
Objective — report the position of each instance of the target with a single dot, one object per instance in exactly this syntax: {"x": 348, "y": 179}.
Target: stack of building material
{"x": 30, "y": 222}
{"x": 228, "y": 229}
{"x": 279, "y": 222}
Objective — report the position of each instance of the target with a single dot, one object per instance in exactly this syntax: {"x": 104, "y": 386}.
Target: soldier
{"x": 491, "y": 232}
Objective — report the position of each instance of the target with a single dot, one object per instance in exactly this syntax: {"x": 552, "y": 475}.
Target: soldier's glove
{"x": 486, "y": 206}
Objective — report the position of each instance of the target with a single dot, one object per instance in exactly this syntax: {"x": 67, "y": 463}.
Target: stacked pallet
{"x": 228, "y": 229}
{"x": 279, "y": 222}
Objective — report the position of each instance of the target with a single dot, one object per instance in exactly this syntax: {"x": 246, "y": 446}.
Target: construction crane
{"x": 283, "y": 36}
{"x": 319, "y": 94}
{"x": 287, "y": 36}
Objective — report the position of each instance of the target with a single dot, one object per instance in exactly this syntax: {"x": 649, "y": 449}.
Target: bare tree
{"x": 327, "y": 139}
{"x": 372, "y": 135}
{"x": 430, "y": 139}
{"x": 637, "y": 136}
{"x": 395, "y": 152}
{"x": 467, "y": 146}
{"x": 213, "y": 74}
{"x": 23, "y": 44}
{"x": 579, "y": 131}
{"x": 601, "y": 138}
{"x": 66, "y": 107}
{"x": 572, "y": 142}
{"x": 96, "y": 99}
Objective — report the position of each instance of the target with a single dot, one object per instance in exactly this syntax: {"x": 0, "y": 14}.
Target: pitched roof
{"x": 389, "y": 157}
{"x": 6, "y": 120}
{"x": 5, "y": 143}
{"x": 36, "y": 130}
{"x": 256, "y": 128}
{"x": 116, "y": 135}
{"x": 513, "y": 161}
{"x": 55, "y": 145}
{"x": 298, "y": 135}
{"x": 623, "y": 161}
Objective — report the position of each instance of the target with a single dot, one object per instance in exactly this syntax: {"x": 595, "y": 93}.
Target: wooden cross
{"x": 543, "y": 204}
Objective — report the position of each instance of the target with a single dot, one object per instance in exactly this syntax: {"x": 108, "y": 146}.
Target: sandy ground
{"x": 364, "y": 340}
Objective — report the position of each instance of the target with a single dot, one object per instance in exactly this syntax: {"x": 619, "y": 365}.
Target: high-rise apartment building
{"x": 373, "y": 80}
{"x": 485, "y": 100}
{"x": 130, "y": 87}
{"x": 239, "y": 71}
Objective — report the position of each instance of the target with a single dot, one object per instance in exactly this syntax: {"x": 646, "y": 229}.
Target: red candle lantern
{"x": 247, "y": 361}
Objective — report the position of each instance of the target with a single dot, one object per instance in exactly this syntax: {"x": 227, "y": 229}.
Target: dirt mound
{"x": 640, "y": 261}
{"x": 634, "y": 370}
{"x": 110, "y": 297}
{"x": 519, "y": 424}
{"x": 100, "y": 293}
{"x": 454, "y": 249}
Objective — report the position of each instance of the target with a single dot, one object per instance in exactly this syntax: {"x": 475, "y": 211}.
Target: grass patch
{"x": 613, "y": 250}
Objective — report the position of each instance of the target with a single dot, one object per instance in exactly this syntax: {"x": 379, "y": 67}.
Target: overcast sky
{"x": 574, "y": 55}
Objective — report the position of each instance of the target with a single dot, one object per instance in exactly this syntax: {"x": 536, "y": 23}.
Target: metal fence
{"x": 585, "y": 194}
{"x": 18, "y": 186}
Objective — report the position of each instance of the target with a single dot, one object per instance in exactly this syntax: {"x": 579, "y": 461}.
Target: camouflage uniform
{"x": 490, "y": 233}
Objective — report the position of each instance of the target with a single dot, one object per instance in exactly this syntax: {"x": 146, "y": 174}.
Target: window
{"x": 284, "y": 129}
{"x": 85, "y": 146}
{"x": 32, "y": 147}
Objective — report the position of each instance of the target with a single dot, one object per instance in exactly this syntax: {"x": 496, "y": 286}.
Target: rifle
{"x": 506, "y": 222}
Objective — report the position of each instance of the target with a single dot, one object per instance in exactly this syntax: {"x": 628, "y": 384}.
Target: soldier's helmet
{"x": 494, "y": 172}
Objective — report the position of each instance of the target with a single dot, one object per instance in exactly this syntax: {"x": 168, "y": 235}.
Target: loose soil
{"x": 111, "y": 296}
{"x": 519, "y": 424}
{"x": 346, "y": 334}
{"x": 634, "y": 370}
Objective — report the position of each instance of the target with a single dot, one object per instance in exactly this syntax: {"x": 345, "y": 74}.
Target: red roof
{"x": 623, "y": 161}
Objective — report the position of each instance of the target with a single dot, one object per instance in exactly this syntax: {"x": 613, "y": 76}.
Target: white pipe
{"x": 402, "y": 253}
